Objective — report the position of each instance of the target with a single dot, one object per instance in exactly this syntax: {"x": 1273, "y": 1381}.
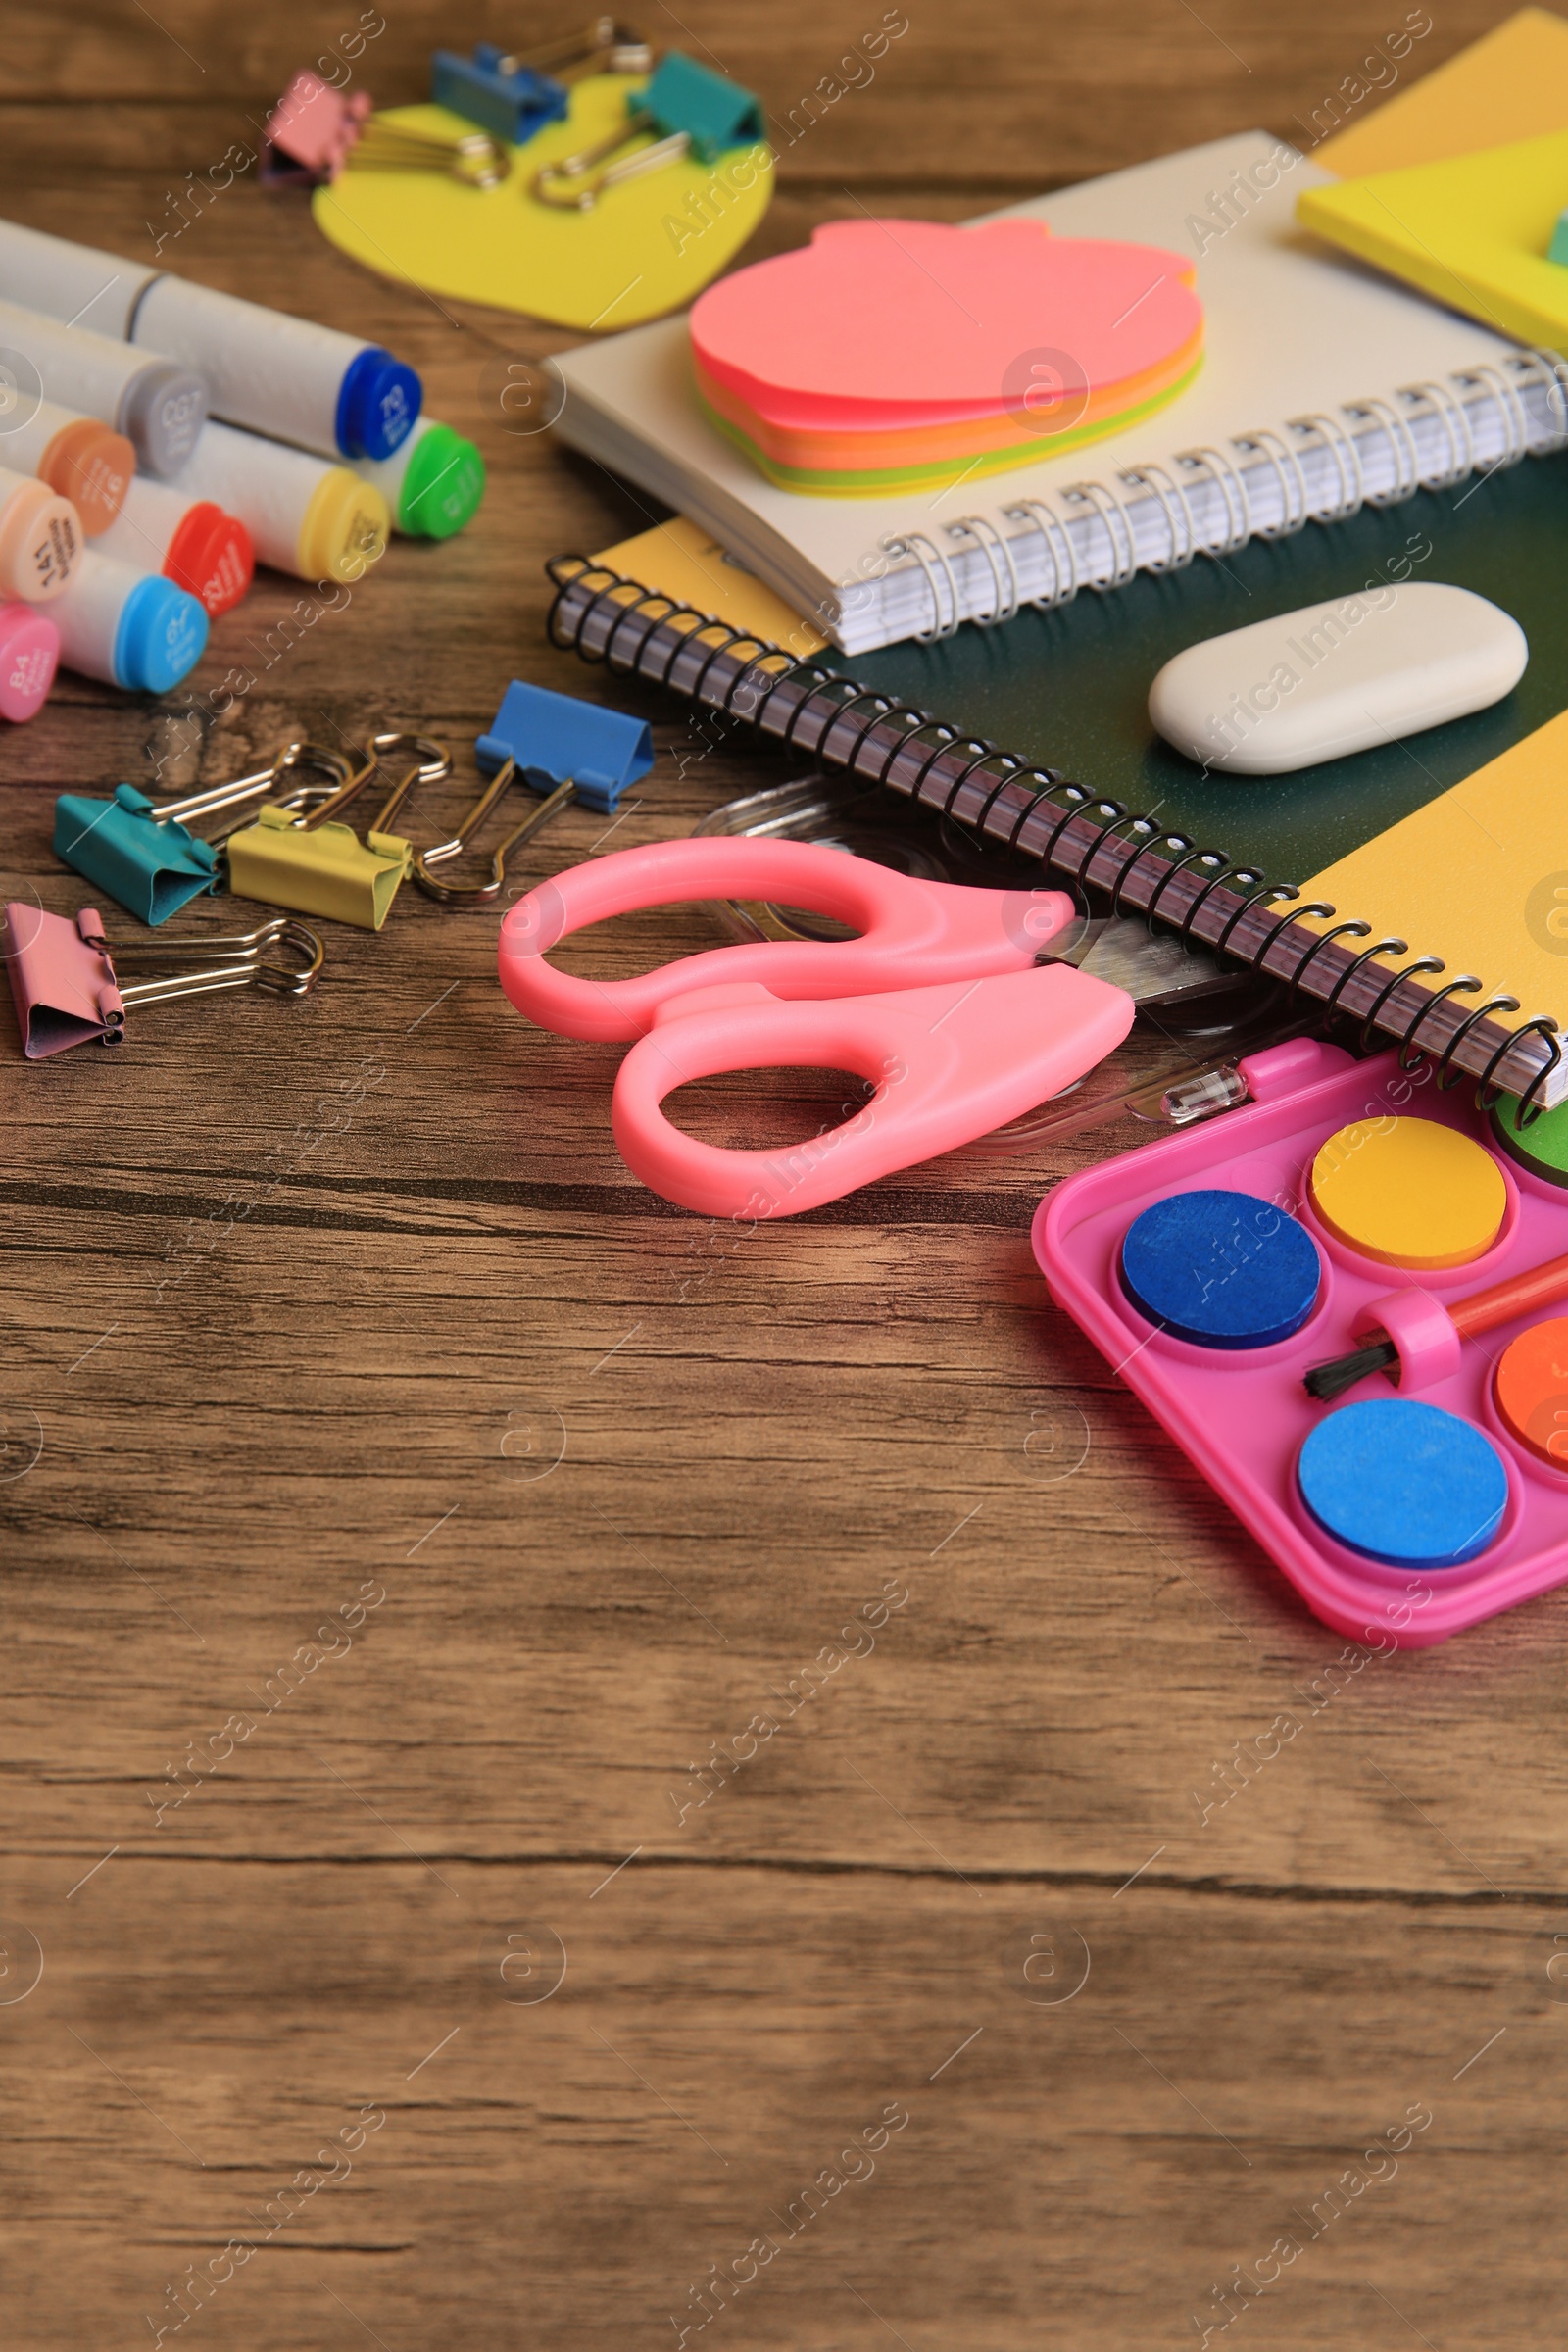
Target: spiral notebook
{"x": 1323, "y": 385}
{"x": 1450, "y": 841}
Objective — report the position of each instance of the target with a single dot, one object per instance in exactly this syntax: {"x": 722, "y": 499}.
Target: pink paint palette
{"x": 1241, "y": 1413}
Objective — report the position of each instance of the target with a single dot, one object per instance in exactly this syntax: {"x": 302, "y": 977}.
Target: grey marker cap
{"x": 163, "y": 410}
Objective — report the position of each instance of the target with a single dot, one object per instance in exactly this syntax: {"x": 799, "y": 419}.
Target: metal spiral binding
{"x": 1515, "y": 423}
{"x": 1112, "y": 512}
{"x": 806, "y": 707}
{"x": 992, "y": 543}
{"x": 1406, "y": 462}
{"x": 927, "y": 554}
{"x": 1535, "y": 365}
{"x": 1057, "y": 541}
{"x": 1444, "y": 402}
{"x": 1214, "y": 466}
{"x": 1173, "y": 498}
{"x": 1280, "y": 454}
{"x": 1333, "y": 437}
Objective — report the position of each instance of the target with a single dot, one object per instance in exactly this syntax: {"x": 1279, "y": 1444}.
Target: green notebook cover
{"x": 1069, "y": 688}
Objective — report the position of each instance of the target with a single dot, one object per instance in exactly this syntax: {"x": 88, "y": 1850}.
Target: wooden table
{"x": 400, "y": 1505}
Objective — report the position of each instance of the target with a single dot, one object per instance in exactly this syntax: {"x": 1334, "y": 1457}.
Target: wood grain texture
{"x": 346, "y": 1314}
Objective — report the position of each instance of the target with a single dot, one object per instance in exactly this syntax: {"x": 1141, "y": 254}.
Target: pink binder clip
{"x": 66, "y": 994}
{"x": 312, "y": 127}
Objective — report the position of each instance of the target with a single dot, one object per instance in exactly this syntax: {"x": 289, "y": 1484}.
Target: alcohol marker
{"x": 318, "y": 521}
{"x": 41, "y": 539}
{"x": 128, "y": 628}
{"x": 160, "y": 407}
{"x": 190, "y": 540}
{"x": 263, "y": 368}
{"x": 29, "y": 653}
{"x": 86, "y": 461}
{"x": 433, "y": 483}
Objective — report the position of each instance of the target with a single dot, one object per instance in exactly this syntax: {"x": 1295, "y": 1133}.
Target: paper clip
{"x": 67, "y": 990}
{"x": 685, "y": 108}
{"x": 511, "y": 94}
{"x": 140, "y": 850}
{"x": 320, "y": 867}
{"x": 555, "y": 745}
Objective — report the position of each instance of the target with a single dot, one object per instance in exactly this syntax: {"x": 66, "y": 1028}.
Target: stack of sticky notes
{"x": 889, "y": 353}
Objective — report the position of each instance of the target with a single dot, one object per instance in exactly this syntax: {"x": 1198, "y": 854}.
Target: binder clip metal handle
{"x": 474, "y": 157}
{"x": 317, "y": 864}
{"x": 432, "y": 760}
{"x": 605, "y": 48}
{"x": 234, "y": 960}
{"x": 477, "y": 894}
{"x": 686, "y": 108}
{"x": 68, "y": 993}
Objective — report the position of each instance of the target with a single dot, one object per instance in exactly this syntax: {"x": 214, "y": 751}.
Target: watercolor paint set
{"x": 1358, "y": 1224}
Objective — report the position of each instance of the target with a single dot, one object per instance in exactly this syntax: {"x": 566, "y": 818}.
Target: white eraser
{"x": 1337, "y": 677}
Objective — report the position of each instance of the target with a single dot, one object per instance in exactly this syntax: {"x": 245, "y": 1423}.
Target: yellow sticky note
{"x": 1474, "y": 877}
{"x": 681, "y": 561}
{"x": 645, "y": 247}
{"x": 1472, "y": 230}
{"x": 1511, "y": 84}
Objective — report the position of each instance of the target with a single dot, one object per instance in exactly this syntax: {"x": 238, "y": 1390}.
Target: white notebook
{"x": 1323, "y": 385}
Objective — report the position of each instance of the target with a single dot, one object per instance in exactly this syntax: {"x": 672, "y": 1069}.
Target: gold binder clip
{"x": 473, "y": 157}
{"x": 478, "y": 893}
{"x": 320, "y": 867}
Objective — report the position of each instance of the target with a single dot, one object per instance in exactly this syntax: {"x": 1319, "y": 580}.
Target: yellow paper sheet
{"x": 1479, "y": 876}
{"x": 1511, "y": 84}
{"x": 645, "y": 247}
{"x": 678, "y": 559}
{"x": 1473, "y": 232}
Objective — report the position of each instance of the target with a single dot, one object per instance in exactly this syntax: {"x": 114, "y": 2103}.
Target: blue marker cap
{"x": 553, "y": 736}
{"x": 162, "y": 634}
{"x": 377, "y": 405}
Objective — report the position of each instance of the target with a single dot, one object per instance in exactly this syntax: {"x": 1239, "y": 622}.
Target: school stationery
{"x": 156, "y": 406}
{"x": 1322, "y": 387}
{"x": 939, "y": 1002}
{"x": 316, "y": 520}
{"x": 80, "y": 458}
{"x": 30, "y": 653}
{"x": 683, "y": 110}
{"x": 432, "y": 485}
{"x": 65, "y": 978}
{"x": 1531, "y": 1387}
{"x": 555, "y": 747}
{"x": 143, "y": 853}
{"x": 1267, "y": 699}
{"x": 1474, "y": 230}
{"x": 313, "y": 128}
{"x": 1397, "y": 1518}
{"x": 41, "y": 539}
{"x": 1066, "y": 693}
{"x": 644, "y": 246}
{"x": 128, "y": 628}
{"x": 511, "y": 94}
{"x": 1482, "y": 1310}
{"x": 316, "y": 863}
{"x": 278, "y": 375}
{"x": 190, "y": 540}
{"x": 1511, "y": 85}
{"x": 887, "y": 353}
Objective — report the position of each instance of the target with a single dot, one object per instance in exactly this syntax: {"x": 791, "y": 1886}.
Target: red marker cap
{"x": 29, "y": 652}
{"x": 211, "y": 556}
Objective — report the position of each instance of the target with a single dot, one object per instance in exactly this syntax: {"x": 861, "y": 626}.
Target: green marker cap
{"x": 442, "y": 485}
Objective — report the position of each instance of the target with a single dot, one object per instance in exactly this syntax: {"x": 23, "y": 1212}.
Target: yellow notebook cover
{"x": 1511, "y": 85}
{"x": 1473, "y": 873}
{"x": 678, "y": 559}
{"x": 1472, "y": 230}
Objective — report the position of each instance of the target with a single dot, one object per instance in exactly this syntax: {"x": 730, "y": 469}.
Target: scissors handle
{"x": 949, "y": 1063}
{"x": 913, "y": 933}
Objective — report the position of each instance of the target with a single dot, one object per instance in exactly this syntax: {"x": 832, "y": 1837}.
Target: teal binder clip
{"x": 685, "y": 110}
{"x": 565, "y": 750}
{"x": 141, "y": 852}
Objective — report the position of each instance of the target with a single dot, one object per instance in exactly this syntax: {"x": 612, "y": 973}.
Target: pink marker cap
{"x": 29, "y": 654}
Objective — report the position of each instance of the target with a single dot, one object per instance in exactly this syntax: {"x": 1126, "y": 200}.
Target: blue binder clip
{"x": 557, "y": 746}
{"x": 513, "y": 94}
{"x": 140, "y": 850}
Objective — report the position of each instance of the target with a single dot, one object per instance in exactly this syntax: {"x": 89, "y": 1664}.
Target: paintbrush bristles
{"x": 1325, "y": 1381}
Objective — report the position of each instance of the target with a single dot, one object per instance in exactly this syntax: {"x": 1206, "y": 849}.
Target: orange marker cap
{"x": 92, "y": 466}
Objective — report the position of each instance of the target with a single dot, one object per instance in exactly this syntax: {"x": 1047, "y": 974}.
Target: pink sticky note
{"x": 878, "y": 324}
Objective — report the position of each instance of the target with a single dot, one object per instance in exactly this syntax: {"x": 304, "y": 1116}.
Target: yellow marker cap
{"x": 346, "y": 527}
{"x": 1409, "y": 1193}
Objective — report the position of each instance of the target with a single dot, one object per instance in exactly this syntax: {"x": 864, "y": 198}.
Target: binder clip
{"x": 685, "y": 110}
{"x": 471, "y": 157}
{"x": 312, "y": 128}
{"x": 141, "y": 852}
{"x": 67, "y": 989}
{"x": 513, "y": 94}
{"x": 557, "y": 746}
{"x": 317, "y": 865}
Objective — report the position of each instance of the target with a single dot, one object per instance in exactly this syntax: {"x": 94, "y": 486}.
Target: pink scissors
{"x": 941, "y": 1002}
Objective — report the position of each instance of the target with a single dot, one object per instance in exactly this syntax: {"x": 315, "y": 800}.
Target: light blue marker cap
{"x": 378, "y": 403}
{"x": 160, "y": 637}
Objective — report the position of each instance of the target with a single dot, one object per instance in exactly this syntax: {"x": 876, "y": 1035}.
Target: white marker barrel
{"x": 130, "y": 628}
{"x": 316, "y": 520}
{"x": 86, "y": 461}
{"x": 41, "y": 539}
{"x": 190, "y": 540}
{"x": 274, "y": 373}
{"x": 157, "y": 406}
